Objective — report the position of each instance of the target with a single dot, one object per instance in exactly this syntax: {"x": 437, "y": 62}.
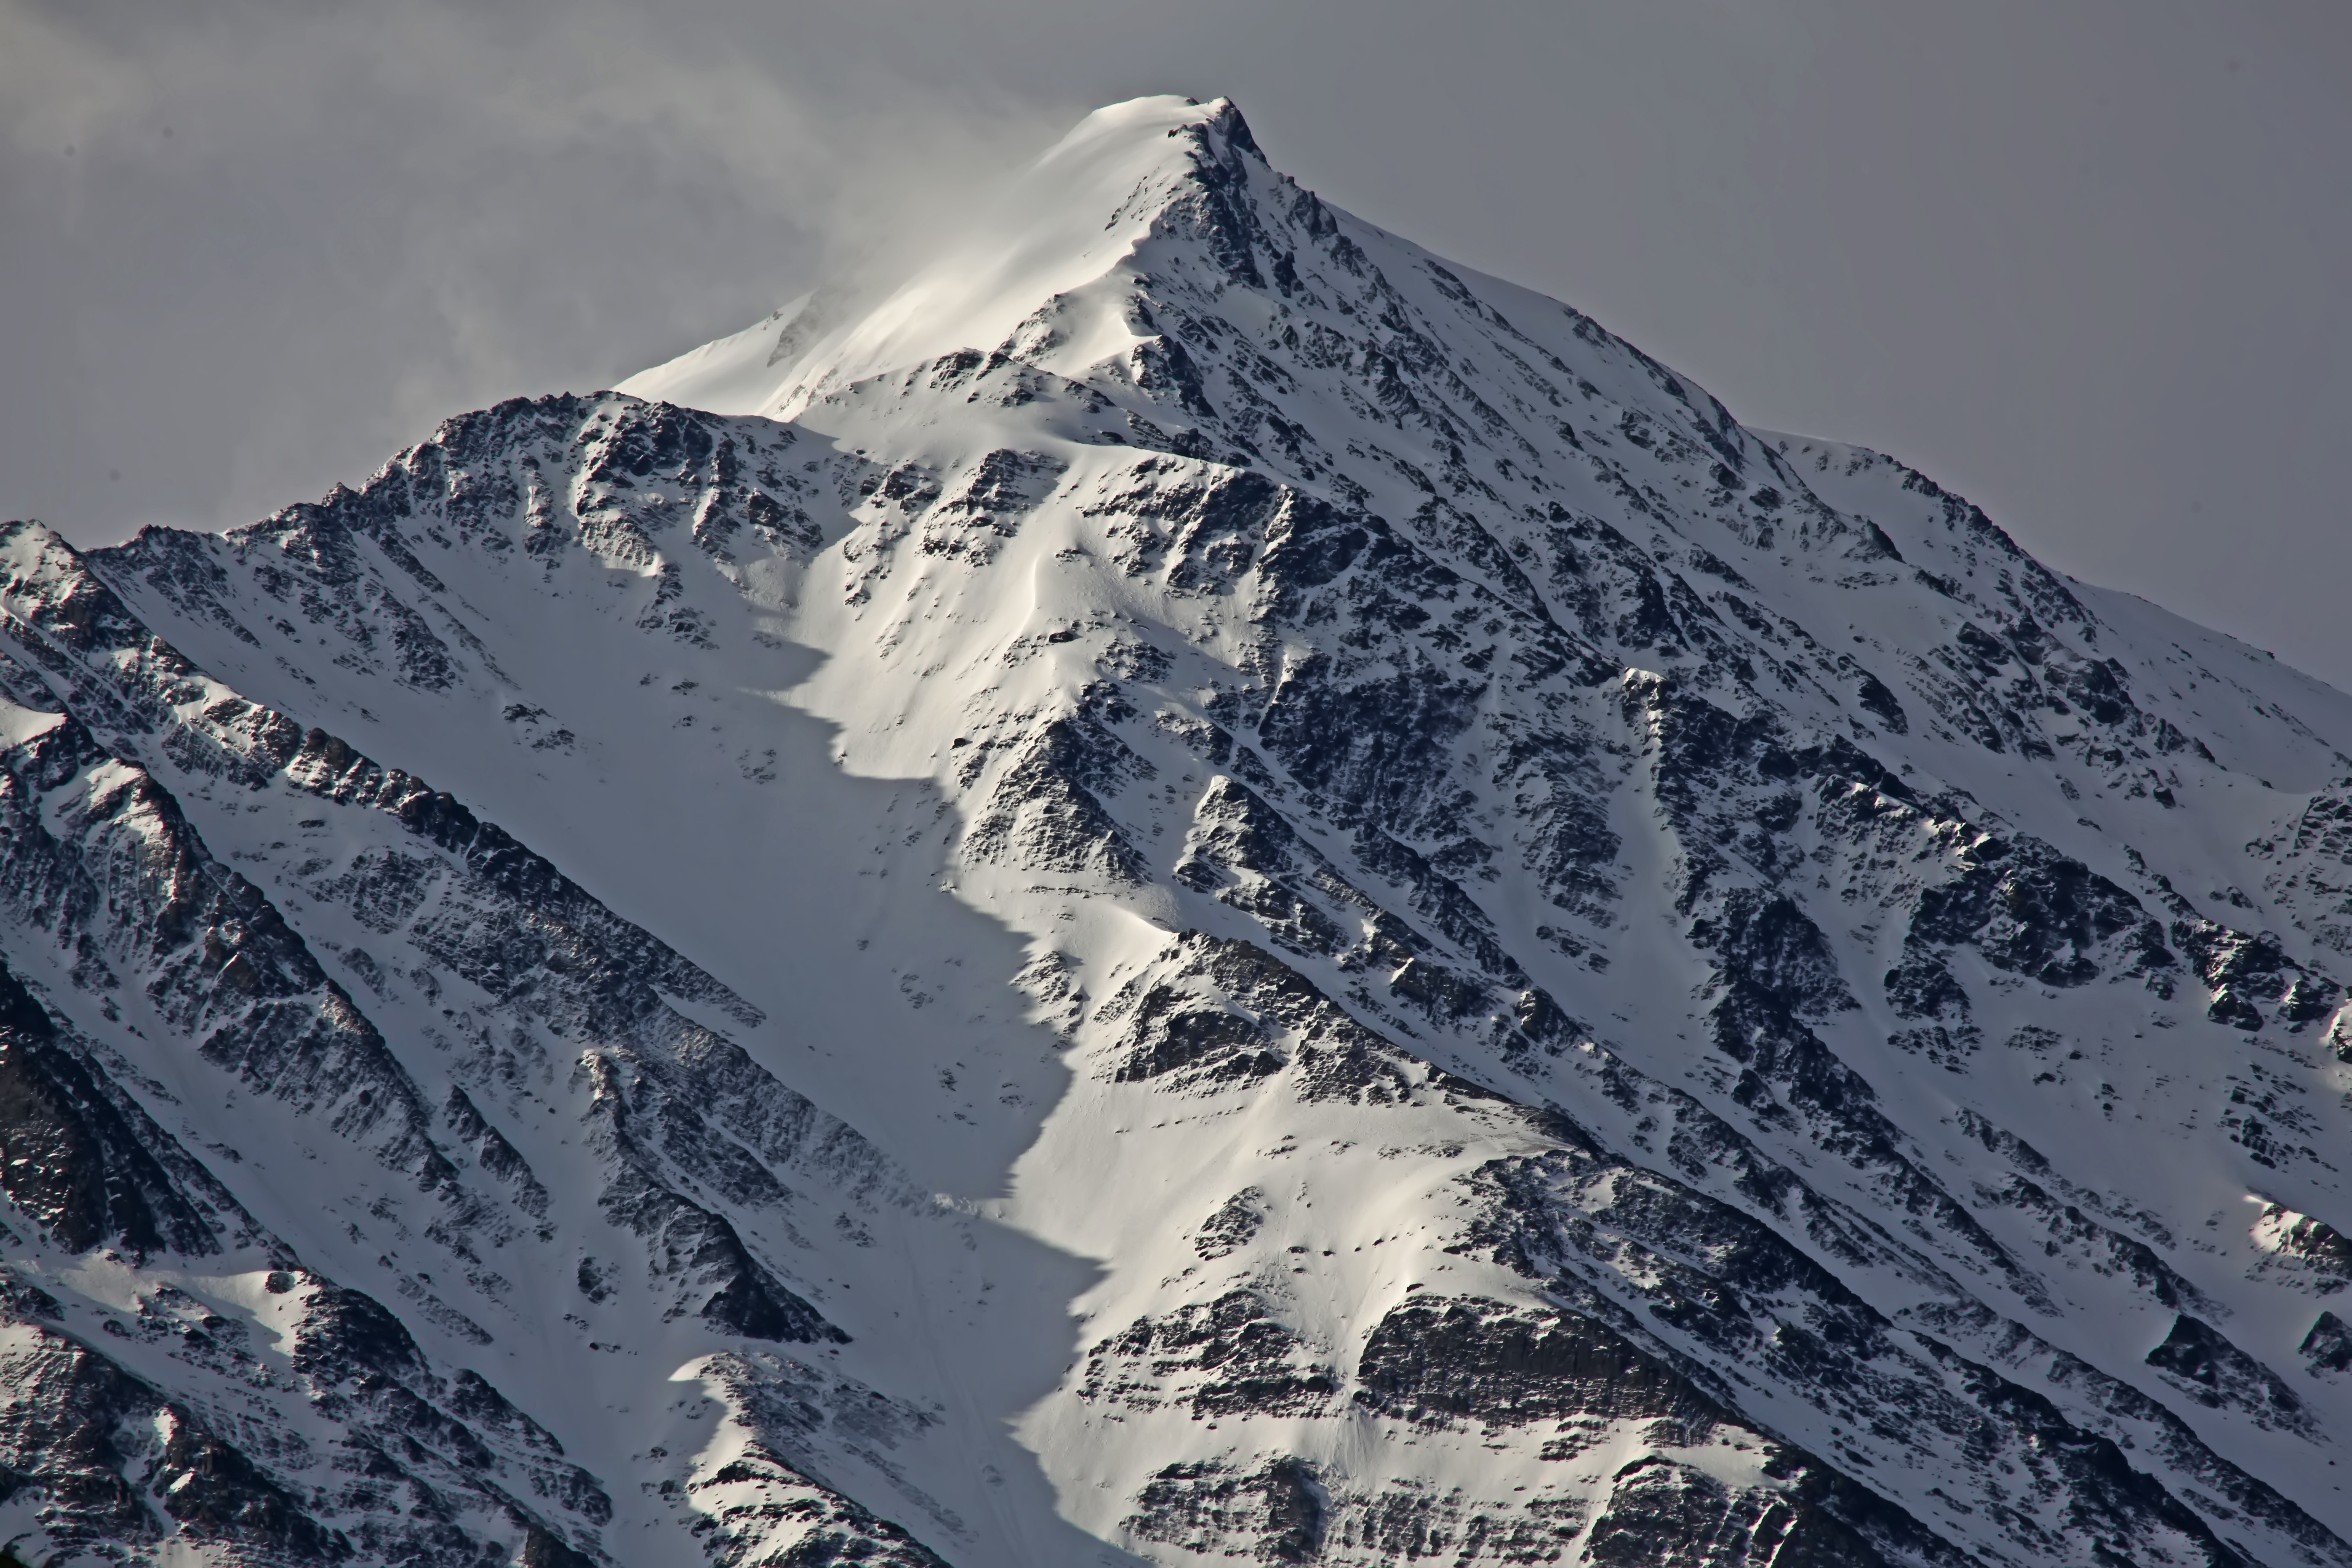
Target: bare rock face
{"x": 1198, "y": 890}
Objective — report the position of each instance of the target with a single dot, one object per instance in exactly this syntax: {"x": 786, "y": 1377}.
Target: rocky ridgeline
{"x": 1295, "y": 909}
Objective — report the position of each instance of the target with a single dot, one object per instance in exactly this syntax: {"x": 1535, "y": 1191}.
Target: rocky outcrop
{"x": 1297, "y": 910}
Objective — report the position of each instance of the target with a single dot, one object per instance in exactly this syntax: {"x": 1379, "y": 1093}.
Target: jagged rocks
{"x": 1226, "y": 1357}
{"x": 79, "y": 1160}
{"x": 1435, "y": 950}
{"x": 2195, "y": 1358}
{"x": 2309, "y": 1245}
{"x": 1489, "y": 1363}
{"x": 2327, "y": 1348}
{"x": 1204, "y": 1508}
{"x": 1237, "y": 1219}
{"x": 1661, "y": 1514}
{"x": 2242, "y": 970}
{"x": 692, "y": 1250}
{"x": 1045, "y": 811}
{"x": 2032, "y": 911}
{"x": 1185, "y": 1024}
{"x": 771, "y": 1514}
{"x": 114, "y": 1464}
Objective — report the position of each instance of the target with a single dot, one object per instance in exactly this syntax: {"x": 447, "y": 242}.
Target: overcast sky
{"x": 2088, "y": 263}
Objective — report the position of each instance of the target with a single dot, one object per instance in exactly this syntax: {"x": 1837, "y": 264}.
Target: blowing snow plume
{"x": 1197, "y": 889}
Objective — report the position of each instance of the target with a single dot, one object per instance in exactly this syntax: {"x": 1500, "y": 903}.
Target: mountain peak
{"x": 1068, "y": 221}
{"x": 1214, "y": 126}
{"x": 1193, "y": 889}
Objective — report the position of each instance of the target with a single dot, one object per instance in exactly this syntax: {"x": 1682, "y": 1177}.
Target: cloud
{"x": 292, "y": 238}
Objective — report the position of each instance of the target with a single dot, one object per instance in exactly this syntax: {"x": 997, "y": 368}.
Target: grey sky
{"x": 2084, "y": 263}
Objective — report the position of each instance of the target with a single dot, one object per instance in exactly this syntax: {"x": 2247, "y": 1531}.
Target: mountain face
{"x": 1199, "y": 890}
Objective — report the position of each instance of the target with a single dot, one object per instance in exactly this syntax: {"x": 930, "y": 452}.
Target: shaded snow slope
{"x": 1198, "y": 890}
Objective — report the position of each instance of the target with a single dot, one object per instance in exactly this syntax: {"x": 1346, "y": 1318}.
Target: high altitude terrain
{"x": 1198, "y": 890}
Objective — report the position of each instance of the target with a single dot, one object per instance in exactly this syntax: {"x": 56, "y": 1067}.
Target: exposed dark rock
{"x": 541, "y": 1548}
{"x": 1280, "y": 1510}
{"x": 1662, "y": 1514}
{"x": 2311, "y": 1244}
{"x": 1234, "y": 1224}
{"x": 2032, "y": 911}
{"x": 1183, "y": 1023}
{"x": 342, "y": 1332}
{"x": 1201, "y": 1043}
{"x": 1226, "y": 1357}
{"x": 2197, "y": 1359}
{"x": 1045, "y": 811}
{"x": 1768, "y": 946}
{"x": 97, "y": 1442}
{"x": 1400, "y": 625}
{"x": 690, "y": 1242}
{"x": 216, "y": 1494}
{"x": 2105, "y": 1497}
{"x": 1486, "y": 1361}
{"x": 2243, "y": 970}
{"x": 74, "y": 1158}
{"x": 757, "y": 1496}
{"x": 2327, "y": 1348}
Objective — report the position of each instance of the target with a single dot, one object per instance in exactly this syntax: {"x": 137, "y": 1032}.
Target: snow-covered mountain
{"x": 1194, "y": 890}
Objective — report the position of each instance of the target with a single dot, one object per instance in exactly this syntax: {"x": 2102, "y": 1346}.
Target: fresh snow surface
{"x": 1197, "y": 889}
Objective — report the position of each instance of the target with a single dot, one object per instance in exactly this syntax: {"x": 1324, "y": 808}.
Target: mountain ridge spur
{"x": 1199, "y": 889}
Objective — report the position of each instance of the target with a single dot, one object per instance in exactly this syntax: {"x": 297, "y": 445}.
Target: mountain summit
{"x": 1194, "y": 890}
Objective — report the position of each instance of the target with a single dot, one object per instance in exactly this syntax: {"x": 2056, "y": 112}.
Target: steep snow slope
{"x": 1197, "y": 889}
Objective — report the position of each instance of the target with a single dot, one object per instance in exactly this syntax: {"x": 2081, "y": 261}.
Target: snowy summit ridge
{"x": 1197, "y": 891}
